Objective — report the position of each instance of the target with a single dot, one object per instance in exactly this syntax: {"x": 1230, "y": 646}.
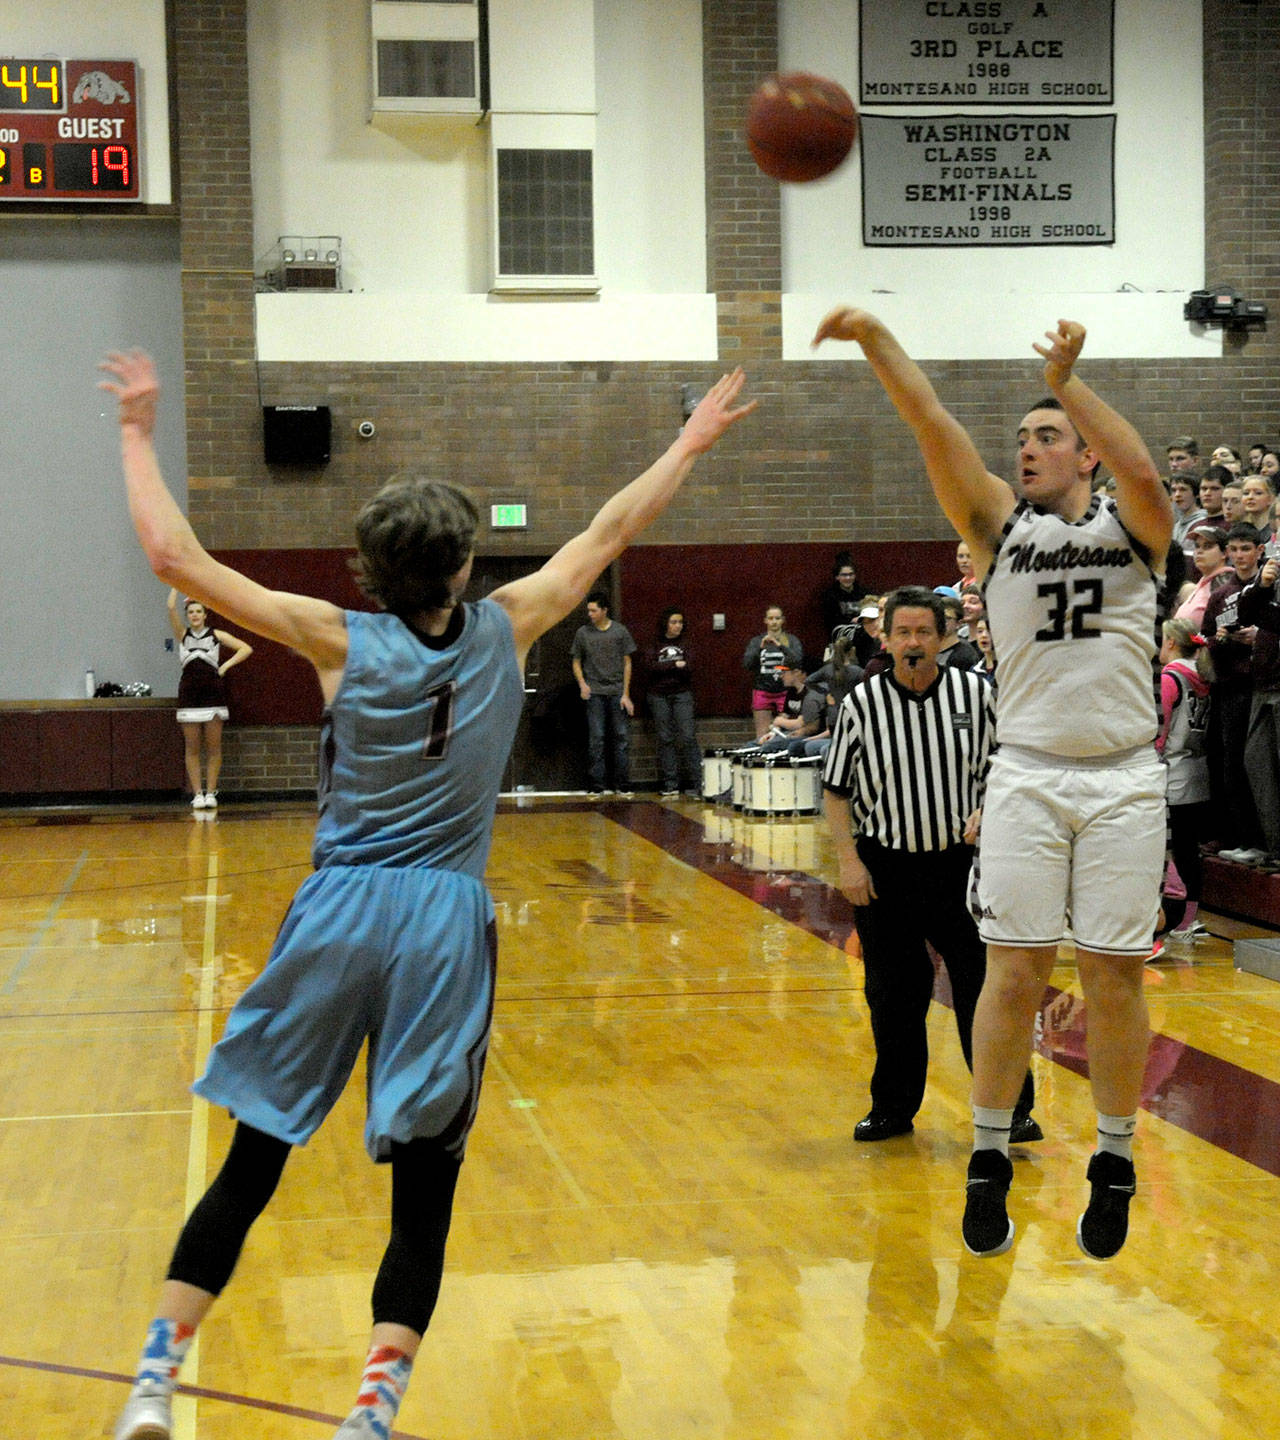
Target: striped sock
{"x": 991, "y": 1129}
{"x": 382, "y": 1387}
{"x": 1115, "y": 1135}
{"x": 165, "y": 1349}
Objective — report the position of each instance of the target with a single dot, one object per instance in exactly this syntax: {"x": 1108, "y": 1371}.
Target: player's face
{"x": 773, "y": 619}
{"x": 196, "y": 616}
{"x": 1050, "y": 463}
{"x": 461, "y": 578}
{"x": 596, "y": 613}
{"x": 675, "y": 626}
{"x": 913, "y": 633}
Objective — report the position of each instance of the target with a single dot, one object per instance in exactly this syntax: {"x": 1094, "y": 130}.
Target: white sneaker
{"x": 210, "y": 799}
{"x": 198, "y": 800}
{"x": 1191, "y": 932}
{"x": 146, "y": 1415}
{"x": 1230, "y": 854}
{"x": 1251, "y": 857}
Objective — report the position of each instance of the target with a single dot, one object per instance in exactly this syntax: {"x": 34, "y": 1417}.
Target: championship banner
{"x": 988, "y": 179}
{"x": 986, "y": 52}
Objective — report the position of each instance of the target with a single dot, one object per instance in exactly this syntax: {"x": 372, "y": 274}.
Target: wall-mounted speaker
{"x": 296, "y": 434}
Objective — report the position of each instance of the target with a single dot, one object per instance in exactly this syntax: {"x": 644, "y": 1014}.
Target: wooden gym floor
{"x": 664, "y": 1228}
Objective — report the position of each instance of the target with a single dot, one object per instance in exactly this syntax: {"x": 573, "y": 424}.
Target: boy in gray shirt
{"x": 602, "y": 651}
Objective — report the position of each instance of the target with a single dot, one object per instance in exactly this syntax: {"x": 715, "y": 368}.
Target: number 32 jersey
{"x": 413, "y": 747}
{"x": 1072, "y": 612}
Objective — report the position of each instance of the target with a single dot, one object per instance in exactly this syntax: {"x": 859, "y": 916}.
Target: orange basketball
{"x": 800, "y": 126}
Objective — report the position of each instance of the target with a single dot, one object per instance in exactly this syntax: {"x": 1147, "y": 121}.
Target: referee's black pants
{"x": 921, "y": 900}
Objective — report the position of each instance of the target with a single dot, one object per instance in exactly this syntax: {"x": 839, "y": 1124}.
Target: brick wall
{"x": 825, "y": 458}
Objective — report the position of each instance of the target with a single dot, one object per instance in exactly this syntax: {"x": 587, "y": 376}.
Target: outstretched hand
{"x": 844, "y": 323}
{"x": 715, "y": 412}
{"x": 136, "y": 386}
{"x": 1062, "y": 351}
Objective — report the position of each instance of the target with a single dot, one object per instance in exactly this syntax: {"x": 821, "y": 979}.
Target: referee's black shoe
{"x": 1024, "y": 1130}
{"x": 881, "y": 1127}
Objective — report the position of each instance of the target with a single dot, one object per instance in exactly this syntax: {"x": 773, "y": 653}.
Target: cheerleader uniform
{"x": 202, "y": 693}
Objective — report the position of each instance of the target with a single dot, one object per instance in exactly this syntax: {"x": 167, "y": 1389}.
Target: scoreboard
{"x": 68, "y": 130}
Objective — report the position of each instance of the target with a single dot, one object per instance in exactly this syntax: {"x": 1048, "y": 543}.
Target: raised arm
{"x": 536, "y": 602}
{"x": 975, "y": 501}
{"x": 314, "y": 628}
{"x": 175, "y": 623}
{"x": 1141, "y": 501}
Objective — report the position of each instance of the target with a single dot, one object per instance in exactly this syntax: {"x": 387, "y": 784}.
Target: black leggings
{"x": 423, "y": 1178}
{"x": 1188, "y": 826}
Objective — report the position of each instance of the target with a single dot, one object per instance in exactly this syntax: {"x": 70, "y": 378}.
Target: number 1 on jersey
{"x": 440, "y": 721}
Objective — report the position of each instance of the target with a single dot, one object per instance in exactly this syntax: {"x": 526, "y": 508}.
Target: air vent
{"x": 427, "y": 56}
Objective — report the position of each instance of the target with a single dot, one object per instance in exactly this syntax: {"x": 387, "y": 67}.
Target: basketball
{"x": 800, "y": 127}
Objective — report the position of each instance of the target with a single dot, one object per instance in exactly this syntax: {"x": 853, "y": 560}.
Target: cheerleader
{"x": 202, "y": 696}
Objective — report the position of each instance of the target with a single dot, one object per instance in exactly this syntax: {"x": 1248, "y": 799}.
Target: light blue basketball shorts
{"x": 405, "y": 957}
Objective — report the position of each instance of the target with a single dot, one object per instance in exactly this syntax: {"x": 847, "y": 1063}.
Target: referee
{"x": 902, "y": 789}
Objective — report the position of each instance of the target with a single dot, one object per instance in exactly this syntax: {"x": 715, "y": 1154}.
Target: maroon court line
{"x": 1213, "y": 1099}
{"x": 198, "y": 1391}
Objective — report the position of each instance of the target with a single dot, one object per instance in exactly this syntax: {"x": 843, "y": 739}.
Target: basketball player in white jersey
{"x": 1073, "y": 826}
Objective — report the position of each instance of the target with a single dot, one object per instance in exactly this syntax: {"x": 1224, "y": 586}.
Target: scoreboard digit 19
{"x": 68, "y": 130}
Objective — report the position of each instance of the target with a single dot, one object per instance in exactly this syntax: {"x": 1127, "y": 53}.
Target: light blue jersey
{"x": 414, "y": 745}
{"x": 392, "y": 939}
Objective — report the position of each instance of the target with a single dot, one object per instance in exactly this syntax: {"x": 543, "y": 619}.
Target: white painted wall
{"x": 410, "y": 200}
{"x": 409, "y": 197}
{"x": 992, "y": 302}
{"x": 123, "y": 30}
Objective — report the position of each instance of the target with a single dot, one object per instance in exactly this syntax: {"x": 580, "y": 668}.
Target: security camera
{"x": 366, "y": 430}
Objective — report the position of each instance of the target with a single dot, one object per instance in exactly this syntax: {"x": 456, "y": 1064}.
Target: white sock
{"x": 1115, "y": 1135}
{"x": 991, "y": 1128}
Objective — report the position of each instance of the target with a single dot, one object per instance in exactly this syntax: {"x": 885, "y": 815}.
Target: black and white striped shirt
{"x": 913, "y": 766}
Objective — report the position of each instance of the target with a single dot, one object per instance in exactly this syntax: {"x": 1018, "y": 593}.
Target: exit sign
{"x": 509, "y": 517}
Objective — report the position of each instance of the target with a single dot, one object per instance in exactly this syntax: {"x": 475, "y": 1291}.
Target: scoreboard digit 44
{"x": 68, "y": 130}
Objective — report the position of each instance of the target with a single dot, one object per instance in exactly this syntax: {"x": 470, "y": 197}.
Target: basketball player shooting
{"x": 392, "y": 937}
{"x": 1073, "y": 827}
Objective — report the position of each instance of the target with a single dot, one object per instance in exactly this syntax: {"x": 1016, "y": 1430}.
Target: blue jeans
{"x": 606, "y": 717}
{"x": 677, "y": 740}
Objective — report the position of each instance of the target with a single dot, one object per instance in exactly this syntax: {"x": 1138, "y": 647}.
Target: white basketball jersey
{"x": 1072, "y": 611}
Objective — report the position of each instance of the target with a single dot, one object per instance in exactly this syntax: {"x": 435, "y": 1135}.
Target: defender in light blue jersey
{"x": 392, "y": 937}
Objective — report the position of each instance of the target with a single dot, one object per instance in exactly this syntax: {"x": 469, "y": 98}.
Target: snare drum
{"x": 717, "y": 776}
{"x": 770, "y": 786}
{"x": 808, "y": 777}
{"x": 738, "y": 784}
